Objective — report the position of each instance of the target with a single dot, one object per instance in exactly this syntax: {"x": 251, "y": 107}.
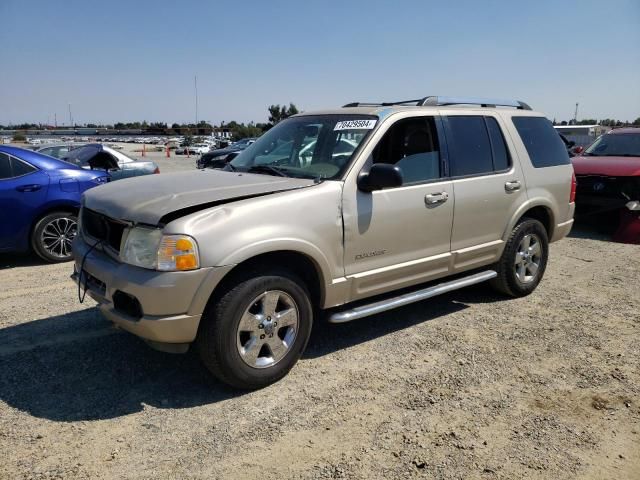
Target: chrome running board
{"x": 407, "y": 298}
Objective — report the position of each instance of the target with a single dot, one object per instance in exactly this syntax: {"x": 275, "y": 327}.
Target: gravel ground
{"x": 467, "y": 385}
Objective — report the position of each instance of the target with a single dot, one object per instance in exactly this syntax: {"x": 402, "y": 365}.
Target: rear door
{"x": 488, "y": 185}
{"x": 23, "y": 189}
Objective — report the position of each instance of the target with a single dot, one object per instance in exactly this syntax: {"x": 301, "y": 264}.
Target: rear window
{"x": 81, "y": 156}
{"x": 543, "y": 144}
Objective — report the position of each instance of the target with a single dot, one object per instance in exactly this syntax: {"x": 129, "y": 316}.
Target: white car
{"x": 199, "y": 148}
{"x": 196, "y": 149}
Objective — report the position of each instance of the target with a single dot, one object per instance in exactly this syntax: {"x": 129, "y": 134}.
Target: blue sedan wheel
{"x": 52, "y": 236}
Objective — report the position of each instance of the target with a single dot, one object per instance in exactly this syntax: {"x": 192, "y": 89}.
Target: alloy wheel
{"x": 267, "y": 329}
{"x": 528, "y": 258}
{"x": 57, "y": 236}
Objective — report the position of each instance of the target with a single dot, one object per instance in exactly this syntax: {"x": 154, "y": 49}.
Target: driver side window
{"x": 412, "y": 145}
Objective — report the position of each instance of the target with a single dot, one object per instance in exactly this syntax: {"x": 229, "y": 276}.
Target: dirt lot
{"x": 469, "y": 385}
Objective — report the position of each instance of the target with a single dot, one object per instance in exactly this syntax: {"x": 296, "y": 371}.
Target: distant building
{"x": 583, "y": 135}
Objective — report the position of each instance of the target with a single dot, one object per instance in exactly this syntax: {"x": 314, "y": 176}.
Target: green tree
{"x": 277, "y": 113}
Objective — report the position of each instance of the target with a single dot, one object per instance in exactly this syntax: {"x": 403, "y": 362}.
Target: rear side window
{"x": 20, "y": 168}
{"x": 543, "y": 144}
{"x": 500, "y": 153}
{"x": 11, "y": 167}
{"x": 469, "y": 145}
{"x": 5, "y": 166}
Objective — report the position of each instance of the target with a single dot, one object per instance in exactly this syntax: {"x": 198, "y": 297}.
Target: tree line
{"x": 607, "y": 122}
{"x": 238, "y": 130}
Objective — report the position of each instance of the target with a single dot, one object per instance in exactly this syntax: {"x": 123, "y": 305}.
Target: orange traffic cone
{"x": 168, "y": 154}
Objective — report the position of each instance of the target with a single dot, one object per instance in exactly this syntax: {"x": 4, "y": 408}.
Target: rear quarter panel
{"x": 549, "y": 187}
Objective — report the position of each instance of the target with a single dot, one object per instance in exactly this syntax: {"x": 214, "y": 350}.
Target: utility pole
{"x": 55, "y": 119}
{"x": 575, "y": 115}
{"x": 195, "y": 85}
{"x": 70, "y": 117}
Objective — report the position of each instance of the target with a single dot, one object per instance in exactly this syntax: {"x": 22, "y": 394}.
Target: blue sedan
{"x": 39, "y": 202}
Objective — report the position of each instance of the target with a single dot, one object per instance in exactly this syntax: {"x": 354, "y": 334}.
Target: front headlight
{"x": 148, "y": 248}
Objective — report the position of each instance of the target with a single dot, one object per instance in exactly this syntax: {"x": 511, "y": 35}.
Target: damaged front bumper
{"x": 615, "y": 201}
{"x": 160, "y": 307}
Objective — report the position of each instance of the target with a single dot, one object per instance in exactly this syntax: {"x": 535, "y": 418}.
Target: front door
{"x": 400, "y": 236}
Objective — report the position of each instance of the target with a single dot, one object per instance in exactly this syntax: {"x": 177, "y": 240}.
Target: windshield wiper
{"x": 268, "y": 169}
{"x": 231, "y": 167}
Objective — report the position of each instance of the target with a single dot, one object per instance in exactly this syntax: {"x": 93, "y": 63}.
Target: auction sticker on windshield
{"x": 355, "y": 125}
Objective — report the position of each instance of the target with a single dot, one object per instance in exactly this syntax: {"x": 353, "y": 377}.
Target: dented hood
{"x": 611, "y": 166}
{"x": 149, "y": 198}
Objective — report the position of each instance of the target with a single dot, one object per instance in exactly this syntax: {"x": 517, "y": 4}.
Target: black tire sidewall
{"x": 222, "y": 322}
{"x": 36, "y": 235}
{"x": 528, "y": 226}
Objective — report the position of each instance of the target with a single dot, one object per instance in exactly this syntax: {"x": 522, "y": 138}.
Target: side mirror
{"x": 379, "y": 176}
{"x": 578, "y": 150}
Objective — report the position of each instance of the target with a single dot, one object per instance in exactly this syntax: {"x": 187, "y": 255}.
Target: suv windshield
{"x": 318, "y": 146}
{"x": 616, "y": 145}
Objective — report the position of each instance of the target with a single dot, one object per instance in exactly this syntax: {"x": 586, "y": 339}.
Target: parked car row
{"x": 220, "y": 157}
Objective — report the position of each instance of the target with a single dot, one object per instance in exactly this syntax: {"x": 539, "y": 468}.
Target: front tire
{"x": 524, "y": 259}
{"x": 52, "y": 236}
{"x": 255, "y": 332}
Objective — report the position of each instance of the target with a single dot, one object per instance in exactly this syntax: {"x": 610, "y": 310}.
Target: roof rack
{"x": 434, "y": 101}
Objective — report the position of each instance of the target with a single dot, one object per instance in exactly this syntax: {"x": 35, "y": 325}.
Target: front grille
{"x": 598, "y": 185}
{"x": 103, "y": 228}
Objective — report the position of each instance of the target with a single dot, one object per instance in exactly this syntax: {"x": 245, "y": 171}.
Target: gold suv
{"x": 334, "y": 210}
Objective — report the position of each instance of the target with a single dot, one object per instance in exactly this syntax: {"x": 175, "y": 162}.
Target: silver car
{"x": 393, "y": 203}
{"x": 98, "y": 156}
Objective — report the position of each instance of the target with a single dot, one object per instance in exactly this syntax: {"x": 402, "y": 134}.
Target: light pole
{"x": 195, "y": 85}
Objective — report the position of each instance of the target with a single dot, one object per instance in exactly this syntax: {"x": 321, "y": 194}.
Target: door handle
{"x": 512, "y": 186}
{"x": 29, "y": 188}
{"x": 435, "y": 198}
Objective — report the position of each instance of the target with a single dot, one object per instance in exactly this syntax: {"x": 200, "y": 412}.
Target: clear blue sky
{"x": 136, "y": 60}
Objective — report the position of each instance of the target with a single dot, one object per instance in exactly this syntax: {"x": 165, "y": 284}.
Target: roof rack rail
{"x": 382, "y": 104}
{"x": 483, "y": 102}
{"x": 434, "y": 101}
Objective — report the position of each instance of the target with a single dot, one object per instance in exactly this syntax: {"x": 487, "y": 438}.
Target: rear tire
{"x": 255, "y": 332}
{"x": 52, "y": 236}
{"x": 524, "y": 259}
